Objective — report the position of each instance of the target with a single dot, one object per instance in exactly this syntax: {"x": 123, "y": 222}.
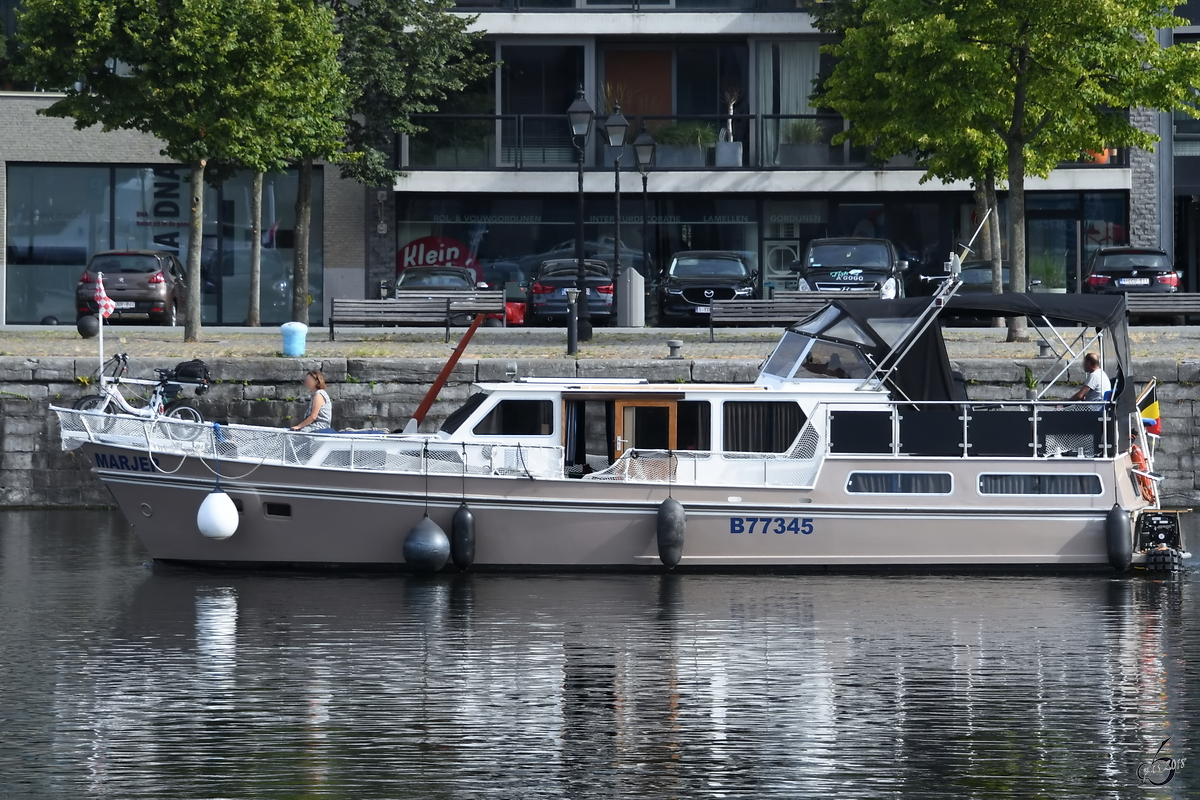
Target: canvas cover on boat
{"x": 925, "y": 372}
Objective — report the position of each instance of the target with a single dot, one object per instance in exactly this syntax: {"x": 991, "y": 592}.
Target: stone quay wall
{"x": 383, "y": 393}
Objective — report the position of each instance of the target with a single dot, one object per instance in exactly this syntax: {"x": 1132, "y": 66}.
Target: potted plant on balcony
{"x": 684, "y": 144}
{"x": 729, "y": 152}
{"x": 802, "y": 142}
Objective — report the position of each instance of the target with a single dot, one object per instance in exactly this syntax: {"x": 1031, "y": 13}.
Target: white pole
{"x": 100, "y": 317}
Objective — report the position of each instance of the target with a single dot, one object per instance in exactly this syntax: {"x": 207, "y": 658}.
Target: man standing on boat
{"x": 1096, "y": 385}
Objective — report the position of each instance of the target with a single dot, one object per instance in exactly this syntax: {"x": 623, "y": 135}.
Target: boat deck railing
{"x": 796, "y": 467}
{"x": 980, "y": 429}
{"x": 246, "y": 444}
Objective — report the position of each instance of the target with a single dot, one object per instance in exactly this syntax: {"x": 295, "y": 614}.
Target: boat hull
{"x": 308, "y": 517}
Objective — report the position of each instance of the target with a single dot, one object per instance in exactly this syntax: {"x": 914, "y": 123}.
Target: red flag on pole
{"x": 105, "y": 305}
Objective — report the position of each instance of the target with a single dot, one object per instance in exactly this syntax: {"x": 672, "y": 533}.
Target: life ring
{"x": 1142, "y": 466}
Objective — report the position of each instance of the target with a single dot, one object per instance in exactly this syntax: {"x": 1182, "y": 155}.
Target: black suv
{"x": 696, "y": 278}
{"x": 1117, "y": 270}
{"x": 867, "y": 267}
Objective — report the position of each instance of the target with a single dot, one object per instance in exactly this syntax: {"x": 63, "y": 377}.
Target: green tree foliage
{"x": 1013, "y": 87}
{"x": 254, "y": 83}
{"x": 402, "y": 57}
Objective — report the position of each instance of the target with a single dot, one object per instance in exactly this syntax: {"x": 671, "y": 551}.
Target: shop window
{"x": 518, "y": 418}
{"x": 1040, "y": 484}
{"x": 765, "y": 427}
{"x": 899, "y": 483}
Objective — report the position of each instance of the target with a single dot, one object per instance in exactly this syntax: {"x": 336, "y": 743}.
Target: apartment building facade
{"x": 744, "y": 163}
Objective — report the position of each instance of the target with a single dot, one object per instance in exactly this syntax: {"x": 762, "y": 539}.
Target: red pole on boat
{"x": 419, "y": 415}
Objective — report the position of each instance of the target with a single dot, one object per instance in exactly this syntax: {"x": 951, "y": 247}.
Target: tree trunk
{"x": 1016, "y": 219}
{"x": 983, "y": 244}
{"x": 195, "y": 281}
{"x": 995, "y": 255}
{"x": 253, "y": 313}
{"x": 300, "y": 254}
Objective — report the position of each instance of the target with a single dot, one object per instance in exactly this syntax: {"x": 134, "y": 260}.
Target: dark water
{"x": 128, "y": 682}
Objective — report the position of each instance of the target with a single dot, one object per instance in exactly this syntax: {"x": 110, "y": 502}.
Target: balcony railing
{"x": 696, "y": 142}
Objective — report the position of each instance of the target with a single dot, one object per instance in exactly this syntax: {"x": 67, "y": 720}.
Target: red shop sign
{"x": 435, "y": 251}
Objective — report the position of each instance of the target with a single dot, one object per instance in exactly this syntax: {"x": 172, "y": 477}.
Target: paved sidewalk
{"x": 1179, "y": 343}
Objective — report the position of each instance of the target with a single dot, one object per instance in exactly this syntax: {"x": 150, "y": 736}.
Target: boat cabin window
{"x": 899, "y": 483}
{"x": 804, "y": 357}
{"x": 518, "y": 418}
{"x": 831, "y": 360}
{"x": 1040, "y": 484}
{"x": 763, "y": 427}
{"x": 695, "y": 427}
{"x": 787, "y": 354}
{"x": 458, "y": 416}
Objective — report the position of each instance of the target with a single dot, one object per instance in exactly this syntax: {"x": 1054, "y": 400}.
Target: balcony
{"x": 759, "y": 142}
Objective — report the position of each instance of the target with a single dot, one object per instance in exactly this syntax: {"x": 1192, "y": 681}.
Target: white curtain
{"x": 796, "y": 64}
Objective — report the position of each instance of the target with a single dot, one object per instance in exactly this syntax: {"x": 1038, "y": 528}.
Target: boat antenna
{"x": 947, "y": 286}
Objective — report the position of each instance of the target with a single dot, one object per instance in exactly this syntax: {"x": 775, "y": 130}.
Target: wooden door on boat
{"x": 645, "y": 424}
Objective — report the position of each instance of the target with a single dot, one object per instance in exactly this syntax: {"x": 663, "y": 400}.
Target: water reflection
{"x": 129, "y": 682}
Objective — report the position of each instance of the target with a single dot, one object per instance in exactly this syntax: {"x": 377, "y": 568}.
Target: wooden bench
{"x": 1174, "y": 304}
{"x": 785, "y": 311}
{"x": 415, "y": 308}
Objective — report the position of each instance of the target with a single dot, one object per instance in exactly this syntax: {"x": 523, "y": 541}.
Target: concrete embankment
{"x": 383, "y": 393}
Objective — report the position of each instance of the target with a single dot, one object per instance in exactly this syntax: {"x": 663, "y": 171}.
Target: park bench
{"x": 1180, "y": 304}
{"x": 777, "y": 311}
{"x": 416, "y": 308}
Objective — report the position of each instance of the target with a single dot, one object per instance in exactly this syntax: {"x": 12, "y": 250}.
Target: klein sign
{"x": 435, "y": 251}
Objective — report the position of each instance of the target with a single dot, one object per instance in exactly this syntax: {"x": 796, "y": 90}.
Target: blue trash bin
{"x": 294, "y": 334}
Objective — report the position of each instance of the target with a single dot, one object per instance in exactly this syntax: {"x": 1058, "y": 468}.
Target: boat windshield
{"x": 802, "y": 356}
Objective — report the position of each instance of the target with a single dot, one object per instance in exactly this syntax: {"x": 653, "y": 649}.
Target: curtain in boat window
{"x": 899, "y": 483}
{"x": 761, "y": 427}
{"x": 1040, "y": 484}
{"x": 785, "y": 73}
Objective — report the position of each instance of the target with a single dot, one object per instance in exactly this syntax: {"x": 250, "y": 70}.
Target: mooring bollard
{"x": 673, "y": 348}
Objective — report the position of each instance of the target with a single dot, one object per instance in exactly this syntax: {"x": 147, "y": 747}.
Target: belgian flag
{"x": 1148, "y": 406}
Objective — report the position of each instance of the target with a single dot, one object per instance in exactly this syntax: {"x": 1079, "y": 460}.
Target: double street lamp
{"x": 580, "y": 116}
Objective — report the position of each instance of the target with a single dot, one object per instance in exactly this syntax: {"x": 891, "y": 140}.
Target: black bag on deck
{"x": 194, "y": 371}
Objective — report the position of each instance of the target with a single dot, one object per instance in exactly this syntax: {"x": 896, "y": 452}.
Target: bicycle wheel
{"x": 96, "y": 402}
{"x": 184, "y": 413}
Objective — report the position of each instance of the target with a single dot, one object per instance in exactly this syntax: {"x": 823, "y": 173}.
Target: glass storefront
{"x": 59, "y": 215}
{"x": 506, "y": 236}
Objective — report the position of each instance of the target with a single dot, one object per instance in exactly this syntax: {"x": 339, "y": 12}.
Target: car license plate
{"x": 703, "y": 309}
{"x": 124, "y": 305}
{"x": 1135, "y": 281}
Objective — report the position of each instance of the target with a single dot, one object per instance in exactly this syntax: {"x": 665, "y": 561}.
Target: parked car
{"x": 548, "y": 291}
{"x": 694, "y": 279}
{"x": 414, "y": 279}
{"x": 441, "y": 278}
{"x": 143, "y": 284}
{"x": 868, "y": 267}
{"x": 1118, "y": 270}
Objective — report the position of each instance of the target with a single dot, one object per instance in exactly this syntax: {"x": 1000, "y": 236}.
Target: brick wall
{"x": 383, "y": 393}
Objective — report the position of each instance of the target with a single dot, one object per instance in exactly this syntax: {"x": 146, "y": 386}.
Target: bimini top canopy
{"x": 877, "y": 327}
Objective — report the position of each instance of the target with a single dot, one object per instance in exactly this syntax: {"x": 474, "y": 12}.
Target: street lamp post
{"x": 616, "y": 129}
{"x": 644, "y": 148}
{"x": 580, "y": 117}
